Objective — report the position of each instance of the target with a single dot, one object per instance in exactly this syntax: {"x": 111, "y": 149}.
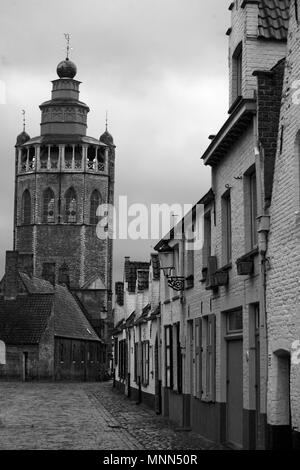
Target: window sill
{"x": 249, "y": 256}
{"x": 226, "y": 267}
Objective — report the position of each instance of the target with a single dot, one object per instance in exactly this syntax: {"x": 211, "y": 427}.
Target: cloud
{"x": 158, "y": 66}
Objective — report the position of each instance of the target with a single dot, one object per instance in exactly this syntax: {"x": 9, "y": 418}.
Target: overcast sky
{"x": 158, "y": 66}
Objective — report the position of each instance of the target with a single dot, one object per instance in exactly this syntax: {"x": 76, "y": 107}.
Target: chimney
{"x": 11, "y": 275}
{"x": 25, "y": 263}
{"x": 126, "y": 267}
{"x": 119, "y": 290}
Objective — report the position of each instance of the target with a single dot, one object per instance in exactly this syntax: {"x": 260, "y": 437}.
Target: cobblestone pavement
{"x": 84, "y": 416}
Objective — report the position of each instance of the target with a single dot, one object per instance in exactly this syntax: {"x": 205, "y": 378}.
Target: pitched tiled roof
{"x": 143, "y": 318}
{"x": 155, "y": 313}
{"x": 69, "y": 319}
{"x": 23, "y": 321}
{"x": 273, "y": 19}
{"x": 130, "y": 320}
{"x": 35, "y": 285}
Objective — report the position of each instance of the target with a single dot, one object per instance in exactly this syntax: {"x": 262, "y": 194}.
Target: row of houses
{"x": 209, "y": 336}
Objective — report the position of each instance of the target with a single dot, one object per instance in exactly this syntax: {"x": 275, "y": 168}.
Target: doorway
{"x": 234, "y": 339}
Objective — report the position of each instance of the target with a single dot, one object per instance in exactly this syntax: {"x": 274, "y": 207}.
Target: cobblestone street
{"x": 84, "y": 416}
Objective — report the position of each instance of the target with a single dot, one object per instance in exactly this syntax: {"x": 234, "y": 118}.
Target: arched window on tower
{"x": 64, "y": 275}
{"x": 44, "y": 157}
{"x": 26, "y": 208}
{"x": 91, "y": 157}
{"x": 101, "y": 159}
{"x": 68, "y": 157}
{"x": 70, "y": 206}
{"x": 48, "y": 207}
{"x": 94, "y": 204}
{"x": 54, "y": 157}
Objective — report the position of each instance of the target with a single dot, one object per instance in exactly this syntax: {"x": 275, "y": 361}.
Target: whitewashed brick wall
{"x": 284, "y": 247}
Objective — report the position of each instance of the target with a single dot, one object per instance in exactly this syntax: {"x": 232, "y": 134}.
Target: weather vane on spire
{"x": 68, "y": 48}
{"x": 24, "y": 119}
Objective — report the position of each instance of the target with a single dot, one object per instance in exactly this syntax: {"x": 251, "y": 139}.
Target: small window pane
{"x": 235, "y": 321}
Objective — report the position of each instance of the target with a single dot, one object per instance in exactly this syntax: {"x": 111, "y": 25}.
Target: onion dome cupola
{"x": 66, "y": 69}
{"x": 107, "y": 138}
{"x": 64, "y": 114}
{"x": 22, "y": 138}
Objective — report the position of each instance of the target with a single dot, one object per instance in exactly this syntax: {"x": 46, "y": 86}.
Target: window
{"x": 168, "y": 357}
{"x": 44, "y": 157}
{"x": 54, "y": 157}
{"x": 226, "y": 228}
{"x": 207, "y": 238}
{"x": 94, "y": 204}
{"x": 136, "y": 359}
{"x": 68, "y": 156}
{"x": 48, "y": 272}
{"x": 91, "y": 158}
{"x": 237, "y": 69}
{"x": 116, "y": 344}
{"x": 70, "y": 207}
{"x": 26, "y": 208}
{"x": 145, "y": 363}
{"x": 198, "y": 357}
{"x": 235, "y": 321}
{"x": 210, "y": 357}
{"x": 122, "y": 359}
{"x": 179, "y": 359}
{"x": 253, "y": 209}
{"x": 63, "y": 275}
{"x": 48, "y": 207}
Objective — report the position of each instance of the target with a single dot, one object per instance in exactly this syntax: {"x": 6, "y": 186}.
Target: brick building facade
{"x": 228, "y": 325}
{"x": 62, "y": 176}
{"x": 282, "y": 281}
{"x": 137, "y": 341}
{"x": 44, "y": 332}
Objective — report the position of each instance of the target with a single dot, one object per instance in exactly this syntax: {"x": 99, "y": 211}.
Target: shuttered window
{"x": 145, "y": 363}
{"x": 198, "y": 357}
{"x": 210, "y": 358}
{"x": 168, "y": 357}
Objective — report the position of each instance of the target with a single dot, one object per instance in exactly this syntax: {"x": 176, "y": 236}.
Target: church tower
{"x": 62, "y": 176}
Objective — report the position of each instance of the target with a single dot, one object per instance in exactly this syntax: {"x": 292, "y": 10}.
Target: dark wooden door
{"x": 235, "y": 392}
{"x": 259, "y": 435}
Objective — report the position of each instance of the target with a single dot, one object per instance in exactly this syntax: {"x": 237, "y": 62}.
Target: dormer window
{"x": 237, "y": 66}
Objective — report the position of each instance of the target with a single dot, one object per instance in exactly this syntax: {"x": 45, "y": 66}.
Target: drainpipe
{"x": 263, "y": 221}
{"x": 185, "y": 420}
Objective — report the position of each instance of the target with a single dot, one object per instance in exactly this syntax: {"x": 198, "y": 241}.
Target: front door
{"x": 235, "y": 392}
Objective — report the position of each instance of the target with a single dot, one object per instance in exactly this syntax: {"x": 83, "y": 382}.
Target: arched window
{"x": 64, "y": 275}
{"x": 26, "y": 208}
{"x": 70, "y": 206}
{"x": 95, "y": 202}
{"x": 48, "y": 207}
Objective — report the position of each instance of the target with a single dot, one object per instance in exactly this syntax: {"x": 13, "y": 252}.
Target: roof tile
{"x": 273, "y": 19}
